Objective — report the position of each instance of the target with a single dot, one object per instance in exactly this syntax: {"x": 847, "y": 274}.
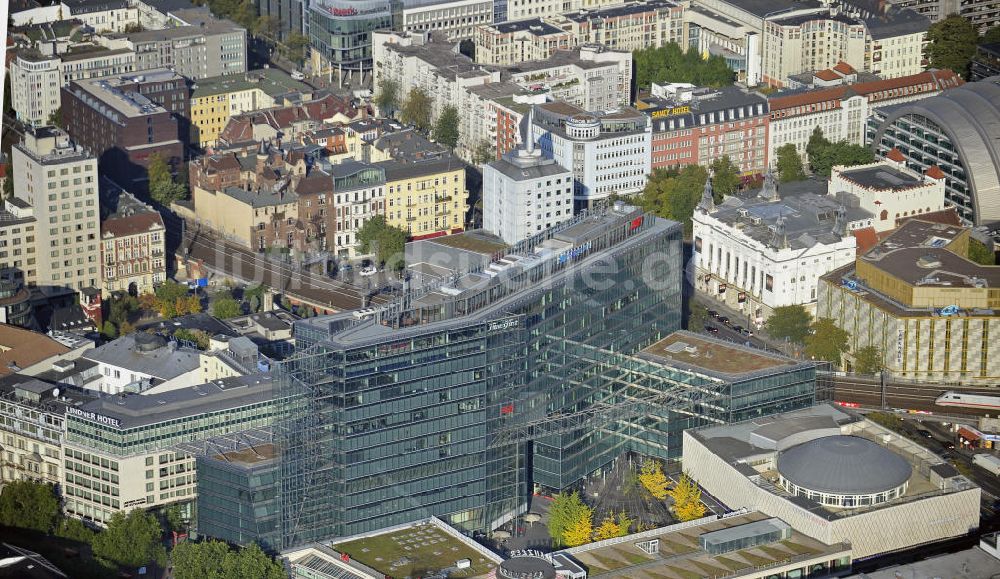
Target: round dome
{"x": 148, "y": 342}
{"x": 843, "y": 465}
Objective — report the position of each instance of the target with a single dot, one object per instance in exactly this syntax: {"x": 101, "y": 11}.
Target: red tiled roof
{"x": 941, "y": 79}
{"x": 24, "y": 348}
{"x": 806, "y": 98}
{"x": 895, "y": 155}
{"x": 866, "y": 239}
{"x": 947, "y": 216}
{"x": 934, "y": 172}
{"x": 844, "y": 68}
{"x": 132, "y": 225}
{"x": 827, "y": 75}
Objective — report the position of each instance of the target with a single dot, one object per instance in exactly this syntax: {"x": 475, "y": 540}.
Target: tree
{"x": 108, "y": 330}
{"x": 790, "y": 323}
{"x": 979, "y": 253}
{"x": 295, "y": 47}
{"x": 226, "y": 307}
{"x": 446, "y": 127}
{"x": 125, "y": 328}
{"x": 387, "y": 96}
{"x": 827, "y": 341}
{"x": 167, "y": 295}
{"x": 789, "y": 164}
{"x": 674, "y": 194}
{"x": 199, "y": 338}
{"x": 580, "y": 529}
{"x": 385, "y": 241}
{"x": 672, "y": 63}
{"x": 687, "y": 499}
{"x": 697, "y": 316}
{"x": 416, "y": 109}
{"x": 868, "y": 360}
{"x": 725, "y": 177}
{"x": 251, "y": 561}
{"x": 74, "y": 530}
{"x": 162, "y": 187}
{"x": 256, "y": 292}
{"x": 29, "y": 505}
{"x": 652, "y": 478}
{"x": 131, "y": 539}
{"x": 483, "y": 153}
{"x": 567, "y": 510}
{"x": 951, "y": 44}
{"x": 612, "y": 527}
{"x": 198, "y": 560}
{"x": 56, "y": 119}
{"x": 693, "y": 509}
{"x": 992, "y": 36}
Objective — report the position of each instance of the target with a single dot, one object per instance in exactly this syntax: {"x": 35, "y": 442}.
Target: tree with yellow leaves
{"x": 652, "y": 478}
{"x": 687, "y": 499}
{"x": 611, "y": 527}
{"x": 579, "y": 531}
{"x": 566, "y": 512}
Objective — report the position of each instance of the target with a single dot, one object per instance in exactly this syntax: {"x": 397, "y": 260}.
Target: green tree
{"x": 868, "y": 360}
{"x": 385, "y": 241}
{"x": 108, "y": 330}
{"x": 826, "y": 341}
{"x": 725, "y": 177}
{"x": 674, "y": 194}
{"x": 416, "y": 109}
{"x": 74, "y": 530}
{"x": 296, "y": 46}
{"x": 29, "y": 505}
{"x": 671, "y": 63}
{"x": 979, "y": 253}
{"x": 824, "y": 155}
{"x": 198, "y": 560}
{"x": 387, "y": 96}
{"x": 483, "y": 153}
{"x": 992, "y": 36}
{"x": 56, "y": 119}
{"x": 789, "y": 322}
{"x": 697, "y": 316}
{"x": 167, "y": 295}
{"x": 789, "y": 164}
{"x": 446, "y": 127}
{"x": 566, "y": 511}
{"x": 251, "y": 561}
{"x": 226, "y": 307}
{"x": 162, "y": 187}
{"x": 951, "y": 44}
{"x": 131, "y": 539}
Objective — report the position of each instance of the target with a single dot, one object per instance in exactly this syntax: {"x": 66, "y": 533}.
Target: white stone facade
{"x": 524, "y": 194}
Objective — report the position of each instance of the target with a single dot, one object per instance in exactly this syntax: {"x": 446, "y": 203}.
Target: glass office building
{"x": 237, "y": 495}
{"x": 340, "y": 31}
{"x": 393, "y": 414}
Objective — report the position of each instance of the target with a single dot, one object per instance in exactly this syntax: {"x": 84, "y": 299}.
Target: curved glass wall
{"x": 341, "y": 30}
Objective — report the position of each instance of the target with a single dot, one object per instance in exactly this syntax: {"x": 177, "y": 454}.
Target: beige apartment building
{"x": 56, "y": 180}
{"x": 133, "y": 248}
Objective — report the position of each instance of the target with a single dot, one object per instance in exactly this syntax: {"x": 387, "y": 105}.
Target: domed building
{"x": 843, "y": 471}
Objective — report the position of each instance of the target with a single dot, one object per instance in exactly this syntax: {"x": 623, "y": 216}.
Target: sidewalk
{"x": 740, "y": 318}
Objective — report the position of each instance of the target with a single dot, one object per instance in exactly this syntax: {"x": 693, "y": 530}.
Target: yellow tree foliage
{"x": 687, "y": 499}
{"x": 580, "y": 530}
{"x": 652, "y": 478}
{"x": 612, "y": 527}
{"x": 691, "y": 511}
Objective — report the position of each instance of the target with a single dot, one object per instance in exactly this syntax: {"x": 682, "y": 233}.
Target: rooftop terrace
{"x": 715, "y": 356}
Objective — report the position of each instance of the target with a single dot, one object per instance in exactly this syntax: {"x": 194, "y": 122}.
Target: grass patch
{"x": 797, "y": 548}
{"x": 420, "y": 550}
{"x": 595, "y": 569}
{"x": 678, "y": 548}
{"x": 633, "y": 558}
{"x": 710, "y": 570}
{"x": 776, "y": 554}
{"x": 732, "y": 564}
{"x": 608, "y": 563}
{"x": 755, "y": 559}
{"x": 685, "y": 573}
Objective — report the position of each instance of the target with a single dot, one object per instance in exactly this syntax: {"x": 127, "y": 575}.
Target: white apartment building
{"x": 58, "y": 181}
{"x": 803, "y": 43}
{"x": 769, "y": 251}
{"x": 515, "y": 42}
{"x": 456, "y": 19}
{"x": 525, "y": 193}
{"x": 34, "y": 87}
{"x": 608, "y": 153}
{"x": 841, "y": 111}
{"x": 523, "y": 9}
{"x": 139, "y": 361}
{"x": 101, "y": 15}
{"x": 358, "y": 195}
{"x": 592, "y": 77}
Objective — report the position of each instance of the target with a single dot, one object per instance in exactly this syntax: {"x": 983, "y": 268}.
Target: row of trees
{"x": 675, "y": 193}
{"x": 821, "y": 338}
{"x": 131, "y": 539}
{"x": 671, "y": 63}
{"x": 685, "y": 494}
{"x": 416, "y": 109}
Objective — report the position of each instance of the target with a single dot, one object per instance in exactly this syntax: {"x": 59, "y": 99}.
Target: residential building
{"x": 33, "y": 430}
{"x": 608, "y": 152}
{"x": 121, "y": 452}
{"x": 896, "y": 37}
{"x": 766, "y": 250}
{"x": 359, "y": 193}
{"x": 34, "y": 87}
{"x": 101, "y": 15}
{"x": 340, "y": 36}
{"x": 140, "y": 361}
{"x": 133, "y": 248}
{"x": 592, "y": 77}
{"x": 215, "y": 100}
{"x": 15, "y": 304}
{"x": 984, "y": 14}
{"x": 525, "y": 193}
{"x": 934, "y": 10}
{"x": 627, "y": 27}
{"x": 155, "y": 14}
{"x": 841, "y": 111}
{"x": 889, "y": 190}
{"x": 453, "y": 470}
{"x": 696, "y": 126}
{"x": 807, "y": 42}
{"x": 57, "y": 180}
{"x": 122, "y": 127}
{"x": 525, "y": 9}
{"x": 835, "y": 476}
{"x": 951, "y": 131}
{"x": 201, "y": 46}
{"x": 17, "y": 232}
{"x": 921, "y": 302}
{"x": 425, "y": 197}
{"x": 288, "y": 122}
{"x": 515, "y": 42}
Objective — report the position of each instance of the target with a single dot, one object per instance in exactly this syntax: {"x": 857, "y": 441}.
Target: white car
{"x": 298, "y": 75}
{"x": 370, "y": 270}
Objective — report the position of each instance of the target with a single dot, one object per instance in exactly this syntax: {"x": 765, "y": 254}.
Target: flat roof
{"x": 680, "y": 555}
{"x": 883, "y": 176}
{"x": 273, "y": 81}
{"x": 114, "y": 92}
{"x": 535, "y": 26}
{"x": 693, "y": 351}
{"x": 470, "y": 241}
{"x": 250, "y": 455}
{"x": 161, "y": 360}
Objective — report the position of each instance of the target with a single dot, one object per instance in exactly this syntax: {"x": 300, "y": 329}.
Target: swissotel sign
{"x": 503, "y": 324}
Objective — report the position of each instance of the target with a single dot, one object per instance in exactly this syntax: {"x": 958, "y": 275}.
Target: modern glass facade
{"x": 341, "y": 31}
{"x": 237, "y": 497}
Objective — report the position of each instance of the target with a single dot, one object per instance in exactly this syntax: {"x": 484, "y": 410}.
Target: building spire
{"x": 529, "y": 143}
{"x": 707, "y": 203}
{"x": 769, "y": 192}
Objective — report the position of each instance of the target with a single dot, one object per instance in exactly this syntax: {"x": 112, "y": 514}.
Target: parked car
{"x": 724, "y": 320}
{"x": 296, "y": 75}
{"x": 711, "y": 329}
{"x": 738, "y": 329}
{"x": 369, "y": 271}
{"x": 713, "y": 313}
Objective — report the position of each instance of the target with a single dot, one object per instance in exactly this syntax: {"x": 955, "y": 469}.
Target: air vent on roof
{"x": 928, "y": 262}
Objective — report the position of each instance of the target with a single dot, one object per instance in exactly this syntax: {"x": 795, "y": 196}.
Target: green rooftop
{"x": 272, "y": 81}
